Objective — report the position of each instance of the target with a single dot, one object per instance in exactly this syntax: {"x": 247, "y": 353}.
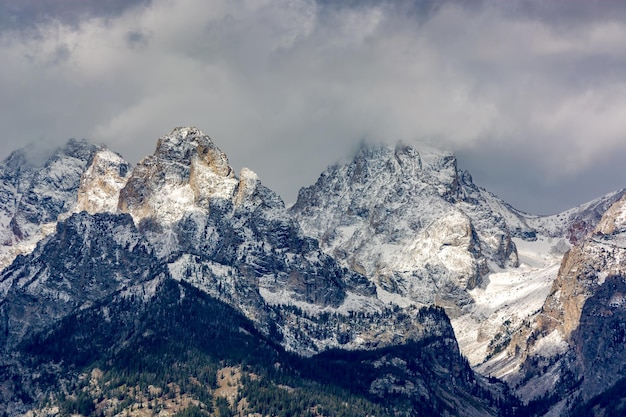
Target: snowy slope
{"x": 397, "y": 226}
{"x": 233, "y": 238}
{"x": 512, "y": 298}
{"x": 572, "y": 224}
{"x": 229, "y": 236}
{"x": 509, "y": 299}
{"x": 572, "y": 347}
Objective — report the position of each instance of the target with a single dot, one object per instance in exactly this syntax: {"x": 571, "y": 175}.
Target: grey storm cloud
{"x": 27, "y": 14}
{"x": 531, "y": 95}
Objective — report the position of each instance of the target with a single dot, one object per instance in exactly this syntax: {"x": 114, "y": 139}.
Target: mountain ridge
{"x": 352, "y": 266}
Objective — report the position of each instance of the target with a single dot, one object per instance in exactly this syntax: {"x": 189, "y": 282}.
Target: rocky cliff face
{"x": 101, "y": 183}
{"x": 512, "y": 299}
{"x": 579, "y": 335}
{"x": 230, "y": 236}
{"x": 584, "y": 270}
{"x": 573, "y": 224}
{"x": 34, "y": 194}
{"x": 424, "y": 233}
{"x": 187, "y": 170}
{"x": 410, "y": 221}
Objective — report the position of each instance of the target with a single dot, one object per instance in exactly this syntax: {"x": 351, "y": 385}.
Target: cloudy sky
{"x": 530, "y": 94}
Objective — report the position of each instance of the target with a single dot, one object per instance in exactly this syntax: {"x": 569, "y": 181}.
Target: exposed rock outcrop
{"x": 100, "y": 184}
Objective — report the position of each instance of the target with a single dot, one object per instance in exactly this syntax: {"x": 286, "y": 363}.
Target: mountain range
{"x": 393, "y": 286}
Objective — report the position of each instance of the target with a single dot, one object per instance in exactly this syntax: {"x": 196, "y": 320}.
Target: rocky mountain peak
{"x": 349, "y": 266}
{"x": 186, "y": 145}
{"x": 403, "y": 161}
{"x": 408, "y": 219}
{"x": 187, "y": 170}
{"x": 37, "y": 187}
{"x": 585, "y": 268}
{"x": 578, "y": 333}
{"x": 89, "y": 257}
{"x": 248, "y": 183}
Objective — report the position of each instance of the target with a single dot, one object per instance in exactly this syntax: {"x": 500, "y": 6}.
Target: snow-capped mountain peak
{"x": 408, "y": 219}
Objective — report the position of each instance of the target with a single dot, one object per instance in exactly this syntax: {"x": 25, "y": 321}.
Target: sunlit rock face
{"x": 579, "y": 334}
{"x": 229, "y": 236}
{"x": 186, "y": 170}
{"x": 100, "y": 184}
{"x": 584, "y": 270}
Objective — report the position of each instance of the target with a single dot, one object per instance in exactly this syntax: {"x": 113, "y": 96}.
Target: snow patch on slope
{"x": 510, "y": 297}
{"x": 352, "y": 303}
{"x": 550, "y": 345}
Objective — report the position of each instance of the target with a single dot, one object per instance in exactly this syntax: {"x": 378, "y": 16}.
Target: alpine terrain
{"x": 394, "y": 286}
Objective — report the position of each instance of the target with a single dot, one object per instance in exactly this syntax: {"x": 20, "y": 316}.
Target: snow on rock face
{"x": 187, "y": 170}
{"x": 409, "y": 220}
{"x": 573, "y": 224}
{"x": 453, "y": 241}
{"x": 238, "y": 243}
{"x": 34, "y": 195}
{"x": 232, "y": 237}
{"x": 584, "y": 269}
{"x": 508, "y": 300}
{"x": 500, "y": 324}
{"x": 248, "y": 183}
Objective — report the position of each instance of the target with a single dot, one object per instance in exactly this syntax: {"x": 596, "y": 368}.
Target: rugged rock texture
{"x": 165, "y": 333}
{"x": 408, "y": 220}
{"x": 33, "y": 195}
{"x": 186, "y": 170}
{"x": 189, "y": 219}
{"x": 392, "y": 230}
{"x": 100, "y": 184}
{"x": 575, "y": 347}
{"x": 398, "y": 216}
{"x": 85, "y": 260}
{"x": 231, "y": 237}
{"x": 512, "y": 299}
{"x": 584, "y": 271}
